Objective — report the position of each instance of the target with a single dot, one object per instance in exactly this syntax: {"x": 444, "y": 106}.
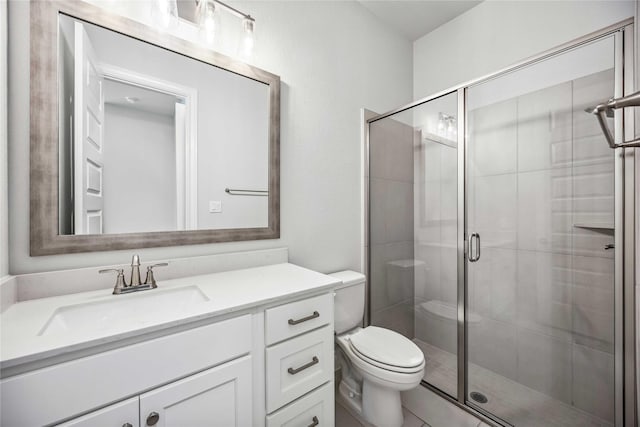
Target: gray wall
{"x": 4, "y": 232}
{"x": 333, "y": 58}
{"x": 139, "y": 177}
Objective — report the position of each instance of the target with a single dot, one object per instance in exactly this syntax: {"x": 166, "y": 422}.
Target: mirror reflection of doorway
{"x": 139, "y": 126}
{"x": 145, "y": 135}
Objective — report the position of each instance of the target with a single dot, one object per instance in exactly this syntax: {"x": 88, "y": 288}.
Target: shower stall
{"x": 500, "y": 238}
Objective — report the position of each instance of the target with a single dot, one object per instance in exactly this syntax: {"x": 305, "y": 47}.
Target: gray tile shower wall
{"x": 541, "y": 196}
{"x": 391, "y": 216}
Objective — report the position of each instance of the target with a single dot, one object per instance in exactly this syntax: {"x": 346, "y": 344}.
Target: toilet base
{"x": 350, "y": 398}
{"x": 381, "y": 406}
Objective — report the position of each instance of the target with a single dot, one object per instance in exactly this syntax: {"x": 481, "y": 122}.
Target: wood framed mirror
{"x": 142, "y": 139}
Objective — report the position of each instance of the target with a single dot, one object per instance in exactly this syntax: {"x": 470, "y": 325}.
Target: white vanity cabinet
{"x": 299, "y": 367}
{"x": 121, "y": 414}
{"x": 218, "y": 396}
{"x": 263, "y": 356}
{"x": 95, "y": 381}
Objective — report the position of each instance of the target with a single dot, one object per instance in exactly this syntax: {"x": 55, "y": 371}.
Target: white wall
{"x": 232, "y": 126}
{"x": 496, "y": 34}
{"x": 139, "y": 177}
{"x": 4, "y": 234}
{"x": 333, "y": 58}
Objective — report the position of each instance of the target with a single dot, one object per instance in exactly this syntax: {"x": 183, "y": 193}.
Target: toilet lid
{"x": 387, "y": 347}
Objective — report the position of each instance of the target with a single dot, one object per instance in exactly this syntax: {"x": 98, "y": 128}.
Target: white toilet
{"x": 377, "y": 363}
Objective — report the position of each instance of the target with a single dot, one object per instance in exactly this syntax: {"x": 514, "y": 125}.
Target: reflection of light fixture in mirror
{"x": 451, "y": 128}
{"x": 441, "y": 121}
{"x": 164, "y": 13}
{"x": 447, "y": 126}
{"x": 206, "y": 12}
{"x": 205, "y": 16}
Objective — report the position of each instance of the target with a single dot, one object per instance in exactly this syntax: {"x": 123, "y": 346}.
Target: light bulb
{"x": 206, "y": 20}
{"x": 248, "y": 40}
{"x": 164, "y": 13}
{"x": 450, "y": 127}
{"x": 441, "y": 124}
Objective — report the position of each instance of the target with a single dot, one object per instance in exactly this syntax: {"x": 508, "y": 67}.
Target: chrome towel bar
{"x": 238, "y": 192}
{"x": 606, "y": 109}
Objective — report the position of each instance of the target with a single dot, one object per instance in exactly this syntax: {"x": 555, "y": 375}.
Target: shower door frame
{"x": 625, "y": 171}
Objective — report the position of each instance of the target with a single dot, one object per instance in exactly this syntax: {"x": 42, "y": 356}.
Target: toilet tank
{"x": 348, "y": 300}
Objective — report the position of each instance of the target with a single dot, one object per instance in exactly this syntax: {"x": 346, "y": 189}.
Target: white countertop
{"x": 21, "y": 324}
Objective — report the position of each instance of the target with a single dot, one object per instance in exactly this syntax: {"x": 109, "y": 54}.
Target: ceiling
{"x": 415, "y": 18}
{"x": 140, "y": 98}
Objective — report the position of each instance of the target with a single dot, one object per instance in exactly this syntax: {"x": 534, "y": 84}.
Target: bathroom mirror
{"x": 140, "y": 139}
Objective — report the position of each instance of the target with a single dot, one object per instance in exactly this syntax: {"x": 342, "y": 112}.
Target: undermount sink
{"x": 124, "y": 312}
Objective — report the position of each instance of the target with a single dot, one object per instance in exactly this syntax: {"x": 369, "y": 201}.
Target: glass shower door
{"x": 413, "y": 232}
{"x": 540, "y": 221}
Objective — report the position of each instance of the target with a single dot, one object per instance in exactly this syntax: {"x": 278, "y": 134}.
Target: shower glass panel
{"x": 540, "y": 194}
{"x": 413, "y": 231}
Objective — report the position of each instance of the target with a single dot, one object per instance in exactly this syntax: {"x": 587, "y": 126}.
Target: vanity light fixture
{"x": 205, "y": 19}
{"x": 248, "y": 40}
{"x": 164, "y": 13}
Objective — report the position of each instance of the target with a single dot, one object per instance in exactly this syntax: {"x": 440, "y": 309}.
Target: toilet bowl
{"x": 377, "y": 363}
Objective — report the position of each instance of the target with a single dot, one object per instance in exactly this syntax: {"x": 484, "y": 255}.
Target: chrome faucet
{"x": 135, "y": 271}
{"x": 134, "y": 285}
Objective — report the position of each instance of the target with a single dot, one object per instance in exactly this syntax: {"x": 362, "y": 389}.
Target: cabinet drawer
{"x": 314, "y": 409}
{"x": 297, "y": 366}
{"x": 298, "y": 317}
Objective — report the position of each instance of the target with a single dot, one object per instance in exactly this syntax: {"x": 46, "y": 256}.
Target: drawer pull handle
{"x": 304, "y": 319}
{"x": 314, "y": 361}
{"x": 315, "y": 422}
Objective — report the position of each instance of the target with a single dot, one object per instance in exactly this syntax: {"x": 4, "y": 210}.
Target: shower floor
{"x": 514, "y": 402}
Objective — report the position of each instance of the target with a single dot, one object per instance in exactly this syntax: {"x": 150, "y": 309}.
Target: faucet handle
{"x": 150, "y": 280}
{"x": 120, "y": 282}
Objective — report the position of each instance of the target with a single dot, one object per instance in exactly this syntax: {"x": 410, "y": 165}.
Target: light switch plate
{"x": 215, "y": 206}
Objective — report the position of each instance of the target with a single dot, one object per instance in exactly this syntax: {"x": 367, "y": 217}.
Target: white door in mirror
{"x": 88, "y": 137}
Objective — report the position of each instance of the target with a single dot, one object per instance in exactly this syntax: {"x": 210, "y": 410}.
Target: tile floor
{"x": 518, "y": 404}
{"x": 345, "y": 419}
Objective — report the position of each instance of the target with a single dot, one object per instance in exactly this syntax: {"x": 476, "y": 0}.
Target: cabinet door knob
{"x": 153, "y": 418}
{"x": 127, "y": 425}
{"x": 315, "y": 422}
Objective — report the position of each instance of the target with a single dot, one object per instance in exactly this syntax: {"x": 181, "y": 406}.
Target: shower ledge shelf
{"x": 594, "y": 225}
{"x": 439, "y": 139}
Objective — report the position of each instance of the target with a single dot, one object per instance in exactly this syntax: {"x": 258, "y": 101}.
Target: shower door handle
{"x": 475, "y": 237}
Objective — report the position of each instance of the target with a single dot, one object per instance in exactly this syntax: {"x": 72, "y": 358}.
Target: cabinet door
{"x": 219, "y": 396}
{"x": 123, "y": 414}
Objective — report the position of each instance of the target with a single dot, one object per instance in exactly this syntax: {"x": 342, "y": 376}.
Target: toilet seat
{"x": 382, "y": 350}
{"x": 380, "y": 365}
{"x": 387, "y": 349}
